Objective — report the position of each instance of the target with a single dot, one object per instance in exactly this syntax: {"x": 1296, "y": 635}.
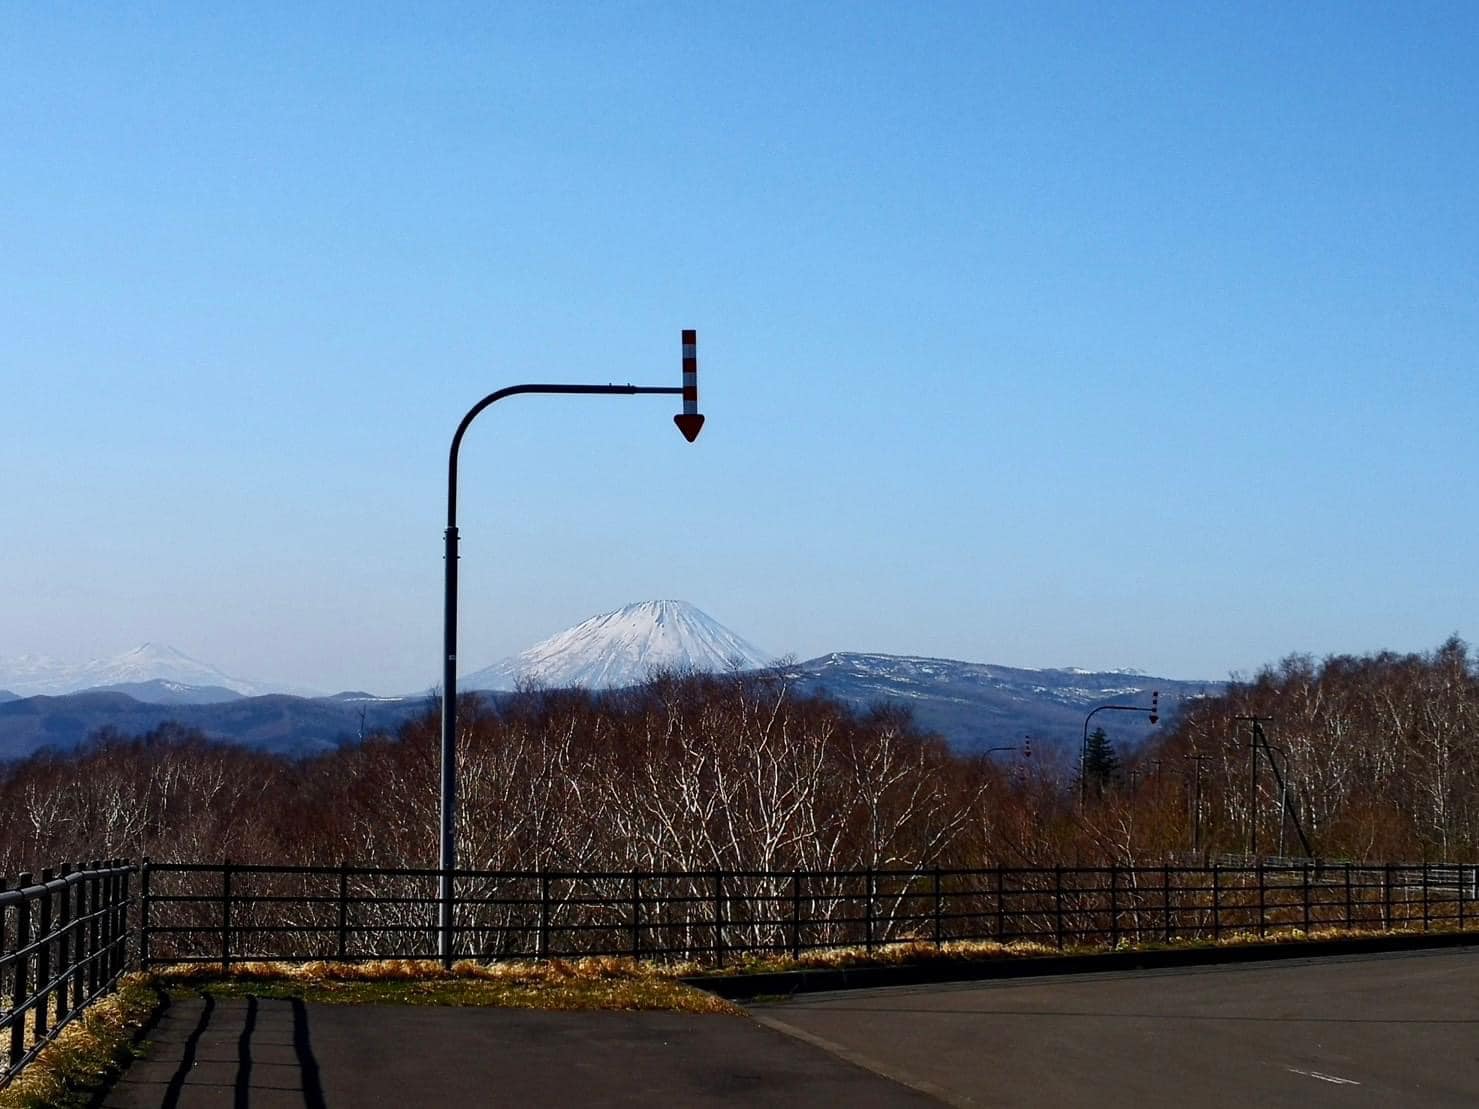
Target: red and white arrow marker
{"x": 690, "y": 423}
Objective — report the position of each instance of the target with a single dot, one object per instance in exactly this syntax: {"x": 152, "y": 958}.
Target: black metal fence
{"x": 64, "y": 941}
{"x": 228, "y": 913}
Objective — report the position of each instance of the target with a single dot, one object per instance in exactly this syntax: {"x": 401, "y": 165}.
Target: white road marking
{"x": 1324, "y": 1077}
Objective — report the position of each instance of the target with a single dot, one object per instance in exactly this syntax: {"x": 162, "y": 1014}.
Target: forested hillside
{"x": 1380, "y": 755}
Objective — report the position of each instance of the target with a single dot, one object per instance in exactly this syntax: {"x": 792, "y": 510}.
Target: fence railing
{"x": 64, "y": 941}
{"x": 227, "y": 913}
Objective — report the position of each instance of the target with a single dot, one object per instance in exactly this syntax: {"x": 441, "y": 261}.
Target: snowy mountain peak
{"x": 30, "y": 675}
{"x": 623, "y": 647}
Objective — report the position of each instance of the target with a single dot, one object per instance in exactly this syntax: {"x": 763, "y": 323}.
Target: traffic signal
{"x": 1155, "y": 706}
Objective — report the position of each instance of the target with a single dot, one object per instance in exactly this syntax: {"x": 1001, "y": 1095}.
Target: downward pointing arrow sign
{"x": 689, "y": 425}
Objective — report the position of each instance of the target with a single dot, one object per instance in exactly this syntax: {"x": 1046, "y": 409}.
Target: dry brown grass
{"x": 88, "y": 1051}
{"x": 559, "y": 984}
{"x": 924, "y": 951}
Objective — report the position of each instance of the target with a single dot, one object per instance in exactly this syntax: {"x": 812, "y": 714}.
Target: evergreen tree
{"x": 1101, "y": 764}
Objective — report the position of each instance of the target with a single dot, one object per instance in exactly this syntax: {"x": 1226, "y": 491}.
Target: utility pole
{"x": 1255, "y": 742}
{"x": 1196, "y": 835}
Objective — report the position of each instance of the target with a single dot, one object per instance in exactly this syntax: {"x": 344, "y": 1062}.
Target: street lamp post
{"x": 1083, "y": 752}
{"x": 689, "y": 423}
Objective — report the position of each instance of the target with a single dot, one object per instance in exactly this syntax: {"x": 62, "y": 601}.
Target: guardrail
{"x": 64, "y": 941}
{"x": 227, "y": 913}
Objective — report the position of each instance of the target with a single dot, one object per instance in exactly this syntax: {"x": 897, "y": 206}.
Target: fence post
{"x": 43, "y": 957}
{"x": 105, "y": 938}
{"x": 1262, "y": 901}
{"x": 1349, "y": 916}
{"x": 544, "y": 914}
{"x": 22, "y": 940}
{"x": 1386, "y": 896}
{"x": 120, "y": 920}
{"x": 342, "y": 938}
{"x": 937, "y": 909}
{"x": 1114, "y": 905}
{"x": 1425, "y": 896}
{"x": 110, "y": 924}
{"x": 1058, "y": 905}
{"x": 83, "y": 949}
{"x": 1166, "y": 899}
{"x": 1001, "y": 916}
{"x": 796, "y": 914}
{"x": 868, "y": 912}
{"x": 124, "y": 875}
{"x": 1216, "y": 902}
{"x": 1307, "y": 892}
{"x": 636, "y": 916}
{"x": 719, "y": 917}
{"x": 96, "y": 927}
{"x": 226, "y": 916}
{"x": 1462, "y": 885}
{"x": 144, "y": 914}
{"x": 64, "y": 947}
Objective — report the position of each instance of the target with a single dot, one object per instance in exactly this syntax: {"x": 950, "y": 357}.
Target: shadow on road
{"x": 247, "y": 1052}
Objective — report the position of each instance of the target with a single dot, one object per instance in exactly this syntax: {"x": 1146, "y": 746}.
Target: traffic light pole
{"x": 688, "y": 423}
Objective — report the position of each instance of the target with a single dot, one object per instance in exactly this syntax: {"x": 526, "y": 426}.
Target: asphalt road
{"x": 269, "y": 1054}
{"x": 1376, "y": 1030}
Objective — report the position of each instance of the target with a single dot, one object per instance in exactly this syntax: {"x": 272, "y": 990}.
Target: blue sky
{"x": 1057, "y": 334}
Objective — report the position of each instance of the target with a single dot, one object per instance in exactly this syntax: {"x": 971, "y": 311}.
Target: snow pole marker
{"x": 690, "y": 422}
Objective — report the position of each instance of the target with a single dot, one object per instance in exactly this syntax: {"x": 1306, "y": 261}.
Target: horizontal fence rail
{"x": 64, "y": 941}
{"x": 66, "y": 938}
{"x": 229, "y": 913}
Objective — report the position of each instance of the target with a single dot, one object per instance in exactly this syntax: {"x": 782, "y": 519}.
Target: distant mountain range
{"x": 274, "y": 722}
{"x": 33, "y": 675}
{"x": 973, "y": 705}
{"x": 976, "y": 706}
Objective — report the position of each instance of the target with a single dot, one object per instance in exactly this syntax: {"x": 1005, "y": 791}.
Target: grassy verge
{"x": 915, "y": 952}
{"x": 89, "y": 1052}
{"x": 577, "y": 984}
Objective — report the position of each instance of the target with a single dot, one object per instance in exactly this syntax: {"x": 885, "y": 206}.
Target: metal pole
{"x": 1253, "y": 795}
{"x": 448, "y": 855}
{"x": 447, "y": 861}
{"x": 1196, "y": 820}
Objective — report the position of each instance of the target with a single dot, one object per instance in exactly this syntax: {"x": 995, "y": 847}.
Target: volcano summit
{"x": 622, "y": 648}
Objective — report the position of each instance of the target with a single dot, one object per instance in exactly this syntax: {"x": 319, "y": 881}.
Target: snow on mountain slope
{"x": 31, "y": 675}
{"x": 979, "y": 705}
{"x": 622, "y": 647}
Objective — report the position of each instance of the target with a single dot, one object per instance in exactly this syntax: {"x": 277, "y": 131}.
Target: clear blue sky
{"x": 1049, "y": 334}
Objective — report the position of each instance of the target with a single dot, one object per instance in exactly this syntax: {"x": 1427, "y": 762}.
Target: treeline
{"x": 684, "y": 772}
{"x": 1380, "y": 754}
{"x": 1379, "y": 758}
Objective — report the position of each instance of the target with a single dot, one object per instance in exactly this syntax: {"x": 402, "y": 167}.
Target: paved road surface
{"x": 269, "y": 1054}
{"x": 1384, "y": 1030}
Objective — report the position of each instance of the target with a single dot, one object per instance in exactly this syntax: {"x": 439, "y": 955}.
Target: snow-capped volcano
{"x": 622, "y": 648}
{"x": 32, "y": 675}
